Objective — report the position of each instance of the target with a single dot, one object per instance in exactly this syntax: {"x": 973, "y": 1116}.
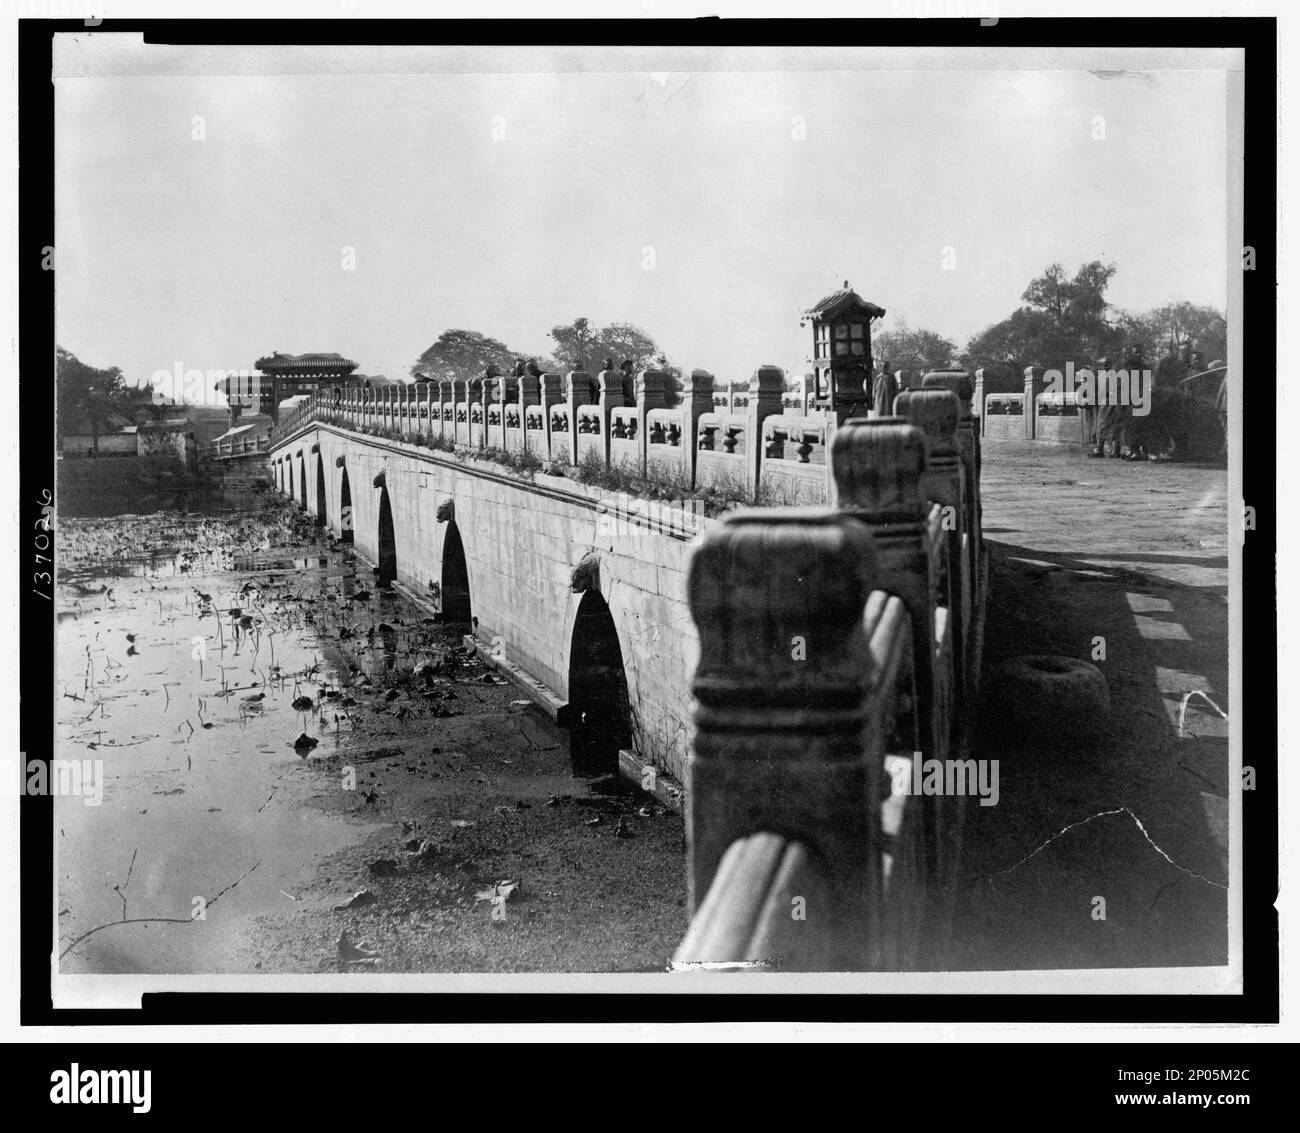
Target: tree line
{"x": 579, "y": 345}
{"x": 89, "y": 398}
{"x": 1062, "y": 318}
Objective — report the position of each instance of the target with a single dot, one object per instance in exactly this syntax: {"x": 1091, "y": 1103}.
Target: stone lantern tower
{"x": 841, "y": 355}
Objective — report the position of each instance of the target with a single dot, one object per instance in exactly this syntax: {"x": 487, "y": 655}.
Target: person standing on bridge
{"x": 1164, "y": 432}
{"x": 1113, "y": 419}
{"x": 1132, "y": 439}
{"x": 884, "y": 391}
{"x": 1097, "y": 414}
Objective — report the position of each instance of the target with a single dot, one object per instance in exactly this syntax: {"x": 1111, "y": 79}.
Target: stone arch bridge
{"x": 788, "y": 669}
{"x": 577, "y": 594}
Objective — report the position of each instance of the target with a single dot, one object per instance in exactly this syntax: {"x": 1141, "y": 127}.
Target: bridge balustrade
{"x": 754, "y": 441}
{"x": 1011, "y": 408}
{"x": 830, "y": 662}
{"x": 794, "y": 459}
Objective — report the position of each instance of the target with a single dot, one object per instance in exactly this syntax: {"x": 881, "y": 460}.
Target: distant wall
{"x": 76, "y": 445}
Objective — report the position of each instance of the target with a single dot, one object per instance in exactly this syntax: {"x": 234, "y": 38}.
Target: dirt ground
{"x": 1135, "y": 554}
{"x": 466, "y": 802}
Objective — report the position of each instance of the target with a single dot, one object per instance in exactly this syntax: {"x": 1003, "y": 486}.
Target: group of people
{"x": 1165, "y": 432}
{"x": 1176, "y": 425}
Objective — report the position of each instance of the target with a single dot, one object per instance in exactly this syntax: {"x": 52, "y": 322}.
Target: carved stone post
{"x": 549, "y": 395}
{"x": 977, "y": 405}
{"x": 651, "y": 393}
{"x": 697, "y": 399}
{"x": 485, "y": 400}
{"x": 444, "y": 400}
{"x": 878, "y": 466}
{"x": 500, "y": 398}
{"x": 765, "y": 390}
{"x": 937, "y": 413}
{"x": 1034, "y": 385}
{"x": 959, "y": 382}
{"x": 611, "y": 398}
{"x": 459, "y": 402}
{"x": 529, "y": 392}
{"x": 785, "y": 739}
{"x": 577, "y": 392}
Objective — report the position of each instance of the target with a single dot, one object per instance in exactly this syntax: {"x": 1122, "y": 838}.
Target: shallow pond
{"x": 183, "y": 644}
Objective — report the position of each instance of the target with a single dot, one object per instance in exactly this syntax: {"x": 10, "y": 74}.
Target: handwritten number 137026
{"x": 42, "y": 543}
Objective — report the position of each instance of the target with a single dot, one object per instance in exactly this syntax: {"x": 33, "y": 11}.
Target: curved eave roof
{"x": 309, "y": 363}
{"x": 837, "y": 302}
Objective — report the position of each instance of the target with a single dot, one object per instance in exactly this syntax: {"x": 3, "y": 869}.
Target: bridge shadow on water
{"x": 1036, "y": 863}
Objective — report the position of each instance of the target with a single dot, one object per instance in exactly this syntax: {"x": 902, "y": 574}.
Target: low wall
{"x": 1004, "y": 417}
{"x": 1032, "y": 413}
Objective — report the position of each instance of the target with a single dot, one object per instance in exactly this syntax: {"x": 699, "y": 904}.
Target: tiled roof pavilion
{"x": 277, "y": 363}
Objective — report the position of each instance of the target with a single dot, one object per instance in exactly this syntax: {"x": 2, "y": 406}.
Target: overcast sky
{"x": 506, "y": 203}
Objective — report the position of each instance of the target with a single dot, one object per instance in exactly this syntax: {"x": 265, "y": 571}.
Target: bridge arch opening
{"x": 599, "y": 712}
{"x": 345, "y": 510}
{"x": 322, "y": 512}
{"x": 302, "y": 483}
{"x": 387, "y": 573}
{"x": 290, "y": 479}
{"x": 455, "y": 579}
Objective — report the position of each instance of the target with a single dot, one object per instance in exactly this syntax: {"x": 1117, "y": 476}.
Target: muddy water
{"x": 182, "y": 644}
